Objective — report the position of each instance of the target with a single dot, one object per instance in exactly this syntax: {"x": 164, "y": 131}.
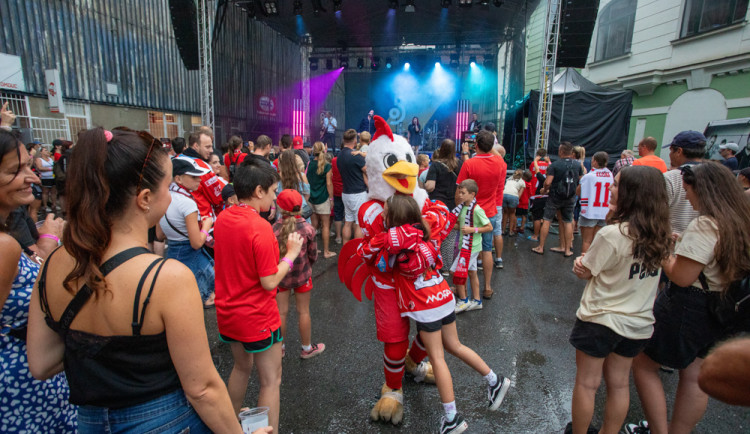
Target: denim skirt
{"x": 198, "y": 261}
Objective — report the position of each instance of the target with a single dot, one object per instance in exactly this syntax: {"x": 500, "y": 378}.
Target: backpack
{"x": 60, "y": 168}
{"x": 232, "y": 168}
{"x": 566, "y": 186}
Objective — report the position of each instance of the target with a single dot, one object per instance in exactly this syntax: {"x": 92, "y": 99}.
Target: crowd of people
{"x": 100, "y": 332}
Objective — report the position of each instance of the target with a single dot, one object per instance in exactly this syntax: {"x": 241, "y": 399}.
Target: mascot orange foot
{"x": 390, "y": 406}
{"x": 422, "y": 372}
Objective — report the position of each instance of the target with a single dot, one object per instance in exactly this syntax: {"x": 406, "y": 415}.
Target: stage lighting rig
{"x": 455, "y": 60}
{"x": 344, "y": 62}
{"x": 318, "y": 7}
{"x": 337, "y": 5}
{"x": 360, "y": 63}
{"x": 270, "y": 7}
{"x": 375, "y": 63}
{"x": 484, "y": 2}
{"x": 313, "y": 64}
{"x": 489, "y": 61}
{"x": 329, "y": 64}
{"x": 392, "y": 4}
{"x": 464, "y": 3}
{"x": 498, "y": 3}
{"x": 297, "y": 7}
{"x": 388, "y": 63}
{"x": 473, "y": 61}
{"x": 410, "y": 6}
{"x": 445, "y": 4}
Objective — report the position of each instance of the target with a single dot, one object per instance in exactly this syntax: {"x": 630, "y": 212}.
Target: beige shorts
{"x": 322, "y": 209}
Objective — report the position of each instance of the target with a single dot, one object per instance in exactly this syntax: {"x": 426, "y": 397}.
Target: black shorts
{"x": 599, "y": 341}
{"x": 434, "y": 326}
{"x": 522, "y": 212}
{"x": 537, "y": 208}
{"x": 48, "y": 183}
{"x": 565, "y": 206}
{"x": 684, "y": 329}
{"x": 257, "y": 346}
{"x": 338, "y": 209}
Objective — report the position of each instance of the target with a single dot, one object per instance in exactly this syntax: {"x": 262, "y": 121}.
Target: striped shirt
{"x": 681, "y": 213}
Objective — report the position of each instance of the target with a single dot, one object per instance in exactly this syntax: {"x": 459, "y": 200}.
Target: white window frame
{"x": 163, "y": 133}
{"x": 86, "y": 109}
{"x": 689, "y": 4}
{"x": 604, "y": 26}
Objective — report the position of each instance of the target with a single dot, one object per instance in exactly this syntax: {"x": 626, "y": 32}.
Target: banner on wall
{"x": 54, "y": 90}
{"x": 11, "y": 73}
{"x": 266, "y": 106}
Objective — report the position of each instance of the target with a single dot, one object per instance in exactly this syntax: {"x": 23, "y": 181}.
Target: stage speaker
{"x": 184, "y": 14}
{"x": 577, "y": 22}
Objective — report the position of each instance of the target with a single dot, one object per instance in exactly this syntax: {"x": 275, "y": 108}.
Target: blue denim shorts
{"x": 510, "y": 201}
{"x": 497, "y": 230}
{"x": 198, "y": 262}
{"x": 170, "y": 413}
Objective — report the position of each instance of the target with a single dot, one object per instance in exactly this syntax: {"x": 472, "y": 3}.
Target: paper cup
{"x": 253, "y": 419}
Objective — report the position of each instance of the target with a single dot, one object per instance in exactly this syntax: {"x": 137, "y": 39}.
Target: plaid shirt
{"x": 623, "y": 162}
{"x": 302, "y": 270}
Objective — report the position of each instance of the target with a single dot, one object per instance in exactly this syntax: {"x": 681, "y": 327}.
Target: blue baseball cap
{"x": 688, "y": 140}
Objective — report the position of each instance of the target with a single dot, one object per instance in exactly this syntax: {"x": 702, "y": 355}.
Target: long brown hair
{"x": 446, "y": 154}
{"x": 103, "y": 177}
{"x": 721, "y": 198}
{"x": 319, "y": 151}
{"x": 290, "y": 175}
{"x": 288, "y": 226}
{"x": 641, "y": 199}
{"x": 404, "y": 210}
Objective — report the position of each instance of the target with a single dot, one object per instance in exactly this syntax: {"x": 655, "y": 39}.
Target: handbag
{"x": 306, "y": 212}
{"x": 731, "y": 309}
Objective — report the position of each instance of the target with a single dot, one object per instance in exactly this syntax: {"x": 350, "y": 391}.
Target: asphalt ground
{"x": 522, "y": 333}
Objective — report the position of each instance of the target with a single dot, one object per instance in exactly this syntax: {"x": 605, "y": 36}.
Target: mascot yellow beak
{"x": 402, "y": 176}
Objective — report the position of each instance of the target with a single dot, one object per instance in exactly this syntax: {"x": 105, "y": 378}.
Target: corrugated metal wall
{"x": 252, "y": 60}
{"x": 127, "y": 42}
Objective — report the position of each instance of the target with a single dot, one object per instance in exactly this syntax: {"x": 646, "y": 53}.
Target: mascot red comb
{"x": 391, "y": 169}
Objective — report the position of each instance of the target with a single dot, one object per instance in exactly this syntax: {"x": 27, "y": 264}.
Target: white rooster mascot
{"x": 391, "y": 169}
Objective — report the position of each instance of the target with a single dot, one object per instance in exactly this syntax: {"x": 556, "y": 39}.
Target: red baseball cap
{"x": 297, "y": 142}
{"x": 289, "y": 200}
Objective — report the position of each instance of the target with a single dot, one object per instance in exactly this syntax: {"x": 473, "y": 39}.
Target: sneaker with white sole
{"x": 461, "y": 305}
{"x": 474, "y": 305}
{"x": 315, "y": 349}
{"x": 639, "y": 428}
{"x": 456, "y": 426}
{"x": 496, "y": 393}
{"x": 499, "y": 263}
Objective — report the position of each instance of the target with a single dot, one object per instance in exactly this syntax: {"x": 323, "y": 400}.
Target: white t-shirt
{"x": 681, "y": 213}
{"x": 49, "y": 165}
{"x": 180, "y": 207}
{"x": 698, "y": 243}
{"x": 514, "y": 187}
{"x": 620, "y": 294}
{"x": 595, "y": 193}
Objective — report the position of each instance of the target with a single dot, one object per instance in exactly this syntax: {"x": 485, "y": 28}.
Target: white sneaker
{"x": 461, "y": 305}
{"x": 474, "y": 305}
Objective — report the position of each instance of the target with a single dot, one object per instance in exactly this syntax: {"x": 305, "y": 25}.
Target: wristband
{"x": 51, "y": 237}
{"x": 204, "y": 232}
{"x": 288, "y": 261}
{"x": 476, "y": 230}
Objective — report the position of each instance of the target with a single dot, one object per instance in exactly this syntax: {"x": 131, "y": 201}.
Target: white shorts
{"x": 472, "y": 261}
{"x": 352, "y": 202}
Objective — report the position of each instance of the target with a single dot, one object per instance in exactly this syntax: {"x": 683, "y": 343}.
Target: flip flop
{"x": 556, "y": 250}
{"x": 329, "y": 255}
{"x": 488, "y": 295}
{"x": 538, "y": 252}
{"x": 568, "y": 256}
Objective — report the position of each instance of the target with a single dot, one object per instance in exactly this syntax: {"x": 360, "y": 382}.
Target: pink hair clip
{"x": 108, "y": 135}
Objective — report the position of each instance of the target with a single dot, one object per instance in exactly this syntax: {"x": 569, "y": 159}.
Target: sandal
{"x": 488, "y": 295}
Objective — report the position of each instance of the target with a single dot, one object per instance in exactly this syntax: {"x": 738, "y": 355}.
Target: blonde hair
{"x": 518, "y": 174}
{"x": 319, "y": 151}
{"x": 423, "y": 159}
{"x": 365, "y": 137}
{"x": 579, "y": 152}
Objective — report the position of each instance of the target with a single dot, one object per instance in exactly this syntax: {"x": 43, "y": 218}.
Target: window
{"x": 79, "y": 117}
{"x": 164, "y": 125}
{"x": 19, "y": 105}
{"x": 615, "y": 29}
{"x": 706, "y": 15}
{"x": 196, "y": 122}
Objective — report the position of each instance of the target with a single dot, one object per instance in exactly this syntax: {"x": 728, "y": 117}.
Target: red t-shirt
{"x": 338, "y": 184}
{"x": 57, "y": 156}
{"x": 245, "y": 251}
{"x": 523, "y": 201}
{"x": 489, "y": 172}
{"x": 208, "y": 195}
{"x": 238, "y": 157}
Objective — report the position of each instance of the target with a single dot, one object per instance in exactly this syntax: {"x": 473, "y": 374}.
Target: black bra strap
{"x": 84, "y": 294}
{"x": 136, "y": 324}
{"x": 704, "y": 281}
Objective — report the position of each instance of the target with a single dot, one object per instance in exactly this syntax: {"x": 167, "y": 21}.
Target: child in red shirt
{"x": 247, "y": 274}
{"x": 523, "y": 202}
{"x": 299, "y": 279}
{"x": 424, "y": 295}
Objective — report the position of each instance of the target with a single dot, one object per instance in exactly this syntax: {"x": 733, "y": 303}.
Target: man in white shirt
{"x": 329, "y": 136}
{"x": 594, "y": 193}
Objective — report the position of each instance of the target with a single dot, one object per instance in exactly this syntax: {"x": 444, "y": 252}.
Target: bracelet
{"x": 476, "y": 230}
{"x": 204, "y": 232}
{"x": 51, "y": 237}
{"x": 288, "y": 261}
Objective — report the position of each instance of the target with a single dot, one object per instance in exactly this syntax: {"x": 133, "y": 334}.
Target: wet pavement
{"x": 522, "y": 333}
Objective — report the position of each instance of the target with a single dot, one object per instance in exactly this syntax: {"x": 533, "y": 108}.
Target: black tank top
{"x": 113, "y": 371}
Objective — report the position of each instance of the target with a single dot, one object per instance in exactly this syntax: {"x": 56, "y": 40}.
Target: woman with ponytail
{"x": 26, "y": 404}
{"x": 321, "y": 194}
{"x": 120, "y": 320}
{"x": 299, "y": 278}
